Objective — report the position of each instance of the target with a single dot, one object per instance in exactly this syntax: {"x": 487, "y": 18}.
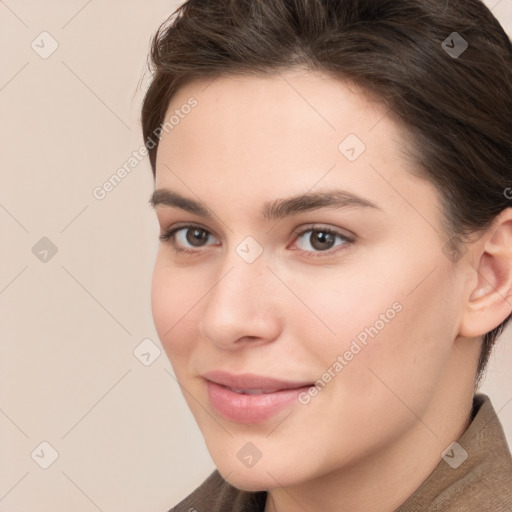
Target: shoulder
{"x": 474, "y": 474}
{"x": 216, "y": 495}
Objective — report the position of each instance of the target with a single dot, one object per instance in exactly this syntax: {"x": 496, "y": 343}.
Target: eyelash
{"x": 169, "y": 238}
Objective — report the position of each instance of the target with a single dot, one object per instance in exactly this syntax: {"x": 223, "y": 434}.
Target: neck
{"x": 384, "y": 480}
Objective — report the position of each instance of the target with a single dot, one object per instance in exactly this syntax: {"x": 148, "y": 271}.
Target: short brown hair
{"x": 457, "y": 108}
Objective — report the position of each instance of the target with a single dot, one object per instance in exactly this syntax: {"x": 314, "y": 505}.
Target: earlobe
{"x": 490, "y": 300}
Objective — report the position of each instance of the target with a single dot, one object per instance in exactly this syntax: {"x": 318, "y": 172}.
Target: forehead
{"x": 272, "y": 136}
{"x": 316, "y": 99}
{"x": 282, "y": 116}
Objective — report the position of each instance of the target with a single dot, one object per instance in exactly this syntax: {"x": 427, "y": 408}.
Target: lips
{"x": 252, "y": 391}
{"x": 252, "y": 382}
{"x": 249, "y": 398}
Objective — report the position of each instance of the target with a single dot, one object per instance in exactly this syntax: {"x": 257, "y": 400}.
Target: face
{"x": 344, "y": 296}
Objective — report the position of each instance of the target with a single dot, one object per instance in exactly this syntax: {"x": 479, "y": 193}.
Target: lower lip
{"x": 250, "y": 408}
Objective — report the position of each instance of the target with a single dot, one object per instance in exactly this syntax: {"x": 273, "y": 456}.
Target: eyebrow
{"x": 273, "y": 210}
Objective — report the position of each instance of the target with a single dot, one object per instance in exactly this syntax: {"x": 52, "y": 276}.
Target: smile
{"x": 249, "y": 398}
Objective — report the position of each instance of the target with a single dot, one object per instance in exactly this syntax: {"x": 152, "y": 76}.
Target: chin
{"x": 249, "y": 480}
{"x": 262, "y": 476}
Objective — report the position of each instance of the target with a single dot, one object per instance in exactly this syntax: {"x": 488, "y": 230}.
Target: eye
{"x": 322, "y": 240}
{"x": 192, "y": 234}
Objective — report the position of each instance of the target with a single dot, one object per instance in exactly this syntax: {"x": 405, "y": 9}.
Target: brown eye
{"x": 321, "y": 240}
{"x": 186, "y": 238}
{"x": 195, "y": 236}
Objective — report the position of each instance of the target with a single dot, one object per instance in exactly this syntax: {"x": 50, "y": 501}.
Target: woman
{"x": 332, "y": 184}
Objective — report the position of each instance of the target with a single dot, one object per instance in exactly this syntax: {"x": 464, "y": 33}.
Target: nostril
{"x": 248, "y": 338}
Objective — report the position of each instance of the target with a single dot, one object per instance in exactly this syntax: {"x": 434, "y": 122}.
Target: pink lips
{"x": 249, "y": 398}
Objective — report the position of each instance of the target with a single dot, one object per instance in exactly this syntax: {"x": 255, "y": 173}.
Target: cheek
{"x": 408, "y": 356}
{"x": 350, "y": 304}
{"x": 390, "y": 323}
{"x": 174, "y": 305}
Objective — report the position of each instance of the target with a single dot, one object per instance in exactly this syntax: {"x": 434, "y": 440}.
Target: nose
{"x": 242, "y": 306}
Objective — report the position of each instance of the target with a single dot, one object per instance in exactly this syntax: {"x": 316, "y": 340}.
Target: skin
{"x": 376, "y": 431}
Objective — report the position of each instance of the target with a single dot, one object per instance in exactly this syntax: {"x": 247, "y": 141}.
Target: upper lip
{"x": 251, "y": 381}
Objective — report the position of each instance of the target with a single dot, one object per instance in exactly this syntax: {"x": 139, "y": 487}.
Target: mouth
{"x": 250, "y": 398}
{"x": 252, "y": 391}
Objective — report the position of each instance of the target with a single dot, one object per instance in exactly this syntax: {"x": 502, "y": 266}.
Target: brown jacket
{"x": 482, "y": 482}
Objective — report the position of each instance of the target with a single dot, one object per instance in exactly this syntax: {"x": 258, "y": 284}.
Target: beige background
{"x": 124, "y": 438}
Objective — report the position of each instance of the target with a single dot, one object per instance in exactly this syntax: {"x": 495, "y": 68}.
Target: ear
{"x": 490, "y": 300}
